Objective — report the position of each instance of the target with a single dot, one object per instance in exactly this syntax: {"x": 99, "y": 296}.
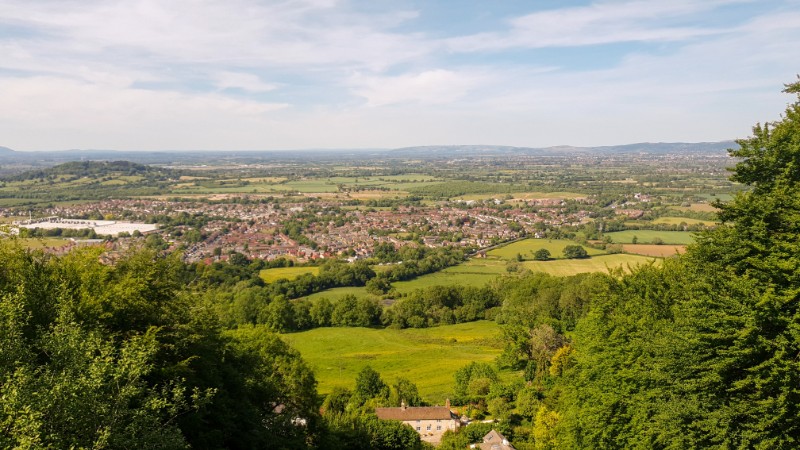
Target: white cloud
{"x": 56, "y": 113}
{"x": 245, "y": 81}
{"x": 598, "y": 23}
{"x": 362, "y": 79}
{"x": 431, "y": 87}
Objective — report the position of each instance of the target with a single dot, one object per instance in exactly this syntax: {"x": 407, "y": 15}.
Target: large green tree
{"x": 703, "y": 352}
{"x": 97, "y": 356}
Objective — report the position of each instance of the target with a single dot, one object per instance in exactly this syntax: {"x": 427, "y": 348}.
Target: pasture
{"x": 289, "y": 273}
{"x": 660, "y": 251}
{"x": 527, "y": 247}
{"x": 446, "y": 277}
{"x": 307, "y": 186}
{"x": 647, "y": 237}
{"x": 601, "y": 263}
{"x": 337, "y": 293}
{"x": 687, "y": 221}
{"x": 700, "y": 207}
{"x": 427, "y": 357}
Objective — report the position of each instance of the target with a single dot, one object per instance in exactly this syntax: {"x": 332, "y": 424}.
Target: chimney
{"x": 403, "y": 405}
{"x": 447, "y": 403}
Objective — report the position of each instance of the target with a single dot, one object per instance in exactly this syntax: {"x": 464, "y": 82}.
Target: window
{"x": 438, "y": 428}
{"x": 417, "y": 428}
{"x": 429, "y": 427}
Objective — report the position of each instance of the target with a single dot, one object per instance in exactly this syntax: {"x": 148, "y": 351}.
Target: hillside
{"x": 85, "y": 180}
{"x": 93, "y": 169}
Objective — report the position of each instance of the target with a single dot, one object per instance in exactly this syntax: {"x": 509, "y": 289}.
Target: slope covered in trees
{"x": 93, "y": 356}
{"x": 703, "y": 352}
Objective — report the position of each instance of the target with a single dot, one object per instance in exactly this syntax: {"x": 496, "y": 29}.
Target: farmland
{"x": 427, "y": 356}
{"x": 602, "y": 263}
{"x": 289, "y": 273}
{"x": 648, "y": 236}
{"x": 526, "y": 247}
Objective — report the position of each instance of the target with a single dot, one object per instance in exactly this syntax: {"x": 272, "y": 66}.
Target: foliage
{"x": 473, "y": 381}
{"x": 541, "y": 255}
{"x": 120, "y": 357}
{"x": 575, "y": 252}
{"x": 701, "y": 352}
{"x": 370, "y": 385}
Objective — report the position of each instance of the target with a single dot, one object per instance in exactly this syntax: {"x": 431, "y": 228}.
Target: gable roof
{"x": 415, "y": 413}
{"x": 495, "y": 441}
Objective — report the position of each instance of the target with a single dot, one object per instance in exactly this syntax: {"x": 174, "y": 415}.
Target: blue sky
{"x": 246, "y": 74}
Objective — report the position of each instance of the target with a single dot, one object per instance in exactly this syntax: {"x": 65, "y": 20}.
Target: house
{"x": 493, "y": 441}
{"x": 429, "y": 421}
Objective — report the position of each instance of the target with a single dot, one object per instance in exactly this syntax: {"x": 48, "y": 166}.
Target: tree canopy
{"x": 702, "y": 352}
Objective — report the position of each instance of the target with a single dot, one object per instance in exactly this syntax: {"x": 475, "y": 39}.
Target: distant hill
{"x": 439, "y": 151}
{"x": 94, "y": 169}
{"x": 18, "y": 161}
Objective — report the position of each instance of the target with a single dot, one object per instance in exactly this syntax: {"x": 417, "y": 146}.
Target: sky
{"x": 299, "y": 74}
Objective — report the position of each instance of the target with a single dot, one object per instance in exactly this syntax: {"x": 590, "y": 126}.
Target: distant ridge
{"x": 501, "y": 150}
{"x": 17, "y": 161}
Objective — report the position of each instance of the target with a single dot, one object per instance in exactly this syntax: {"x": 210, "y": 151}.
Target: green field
{"x": 522, "y": 195}
{"x": 446, "y": 277}
{"x": 602, "y": 263}
{"x": 478, "y": 272}
{"x": 337, "y": 293}
{"x": 687, "y": 221}
{"x": 40, "y": 243}
{"x": 320, "y": 185}
{"x": 647, "y": 236}
{"x": 526, "y": 247}
{"x": 428, "y": 357}
{"x": 289, "y": 273}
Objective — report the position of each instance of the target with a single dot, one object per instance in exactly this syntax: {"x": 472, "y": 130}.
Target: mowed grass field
{"x": 446, "y": 277}
{"x": 702, "y": 207}
{"x": 647, "y": 236}
{"x": 428, "y": 356}
{"x": 687, "y": 221}
{"x": 478, "y": 272}
{"x": 290, "y": 273}
{"x": 601, "y": 263}
{"x": 526, "y": 247}
{"x": 660, "y": 251}
{"x": 40, "y": 243}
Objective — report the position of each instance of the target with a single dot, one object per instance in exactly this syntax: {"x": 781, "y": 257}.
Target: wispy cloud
{"x": 430, "y": 87}
{"x": 597, "y": 23}
{"x": 253, "y": 74}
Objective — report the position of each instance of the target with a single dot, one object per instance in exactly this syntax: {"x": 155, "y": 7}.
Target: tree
{"x": 720, "y": 324}
{"x": 378, "y": 286}
{"x": 542, "y": 254}
{"x": 472, "y": 381}
{"x": 370, "y": 385}
{"x": 404, "y": 391}
{"x": 575, "y": 252}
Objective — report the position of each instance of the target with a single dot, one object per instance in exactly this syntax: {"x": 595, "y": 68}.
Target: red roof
{"x": 415, "y": 413}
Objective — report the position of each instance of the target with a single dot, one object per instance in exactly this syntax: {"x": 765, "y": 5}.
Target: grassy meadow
{"x": 601, "y": 263}
{"x": 527, "y": 247}
{"x": 687, "y": 221}
{"x": 40, "y": 243}
{"x": 647, "y": 236}
{"x": 428, "y": 356}
{"x": 289, "y": 273}
{"x": 659, "y": 251}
